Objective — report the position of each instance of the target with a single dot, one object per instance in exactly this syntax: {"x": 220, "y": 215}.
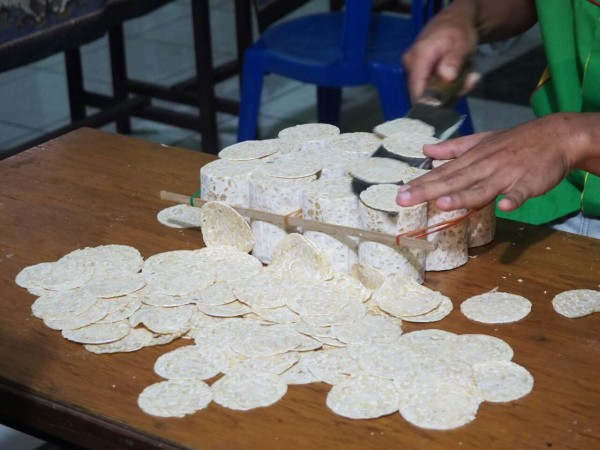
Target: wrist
{"x": 581, "y": 134}
{"x": 466, "y": 11}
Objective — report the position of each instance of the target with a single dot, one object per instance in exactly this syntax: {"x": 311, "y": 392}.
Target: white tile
{"x": 12, "y": 134}
{"x": 15, "y": 440}
{"x": 35, "y": 100}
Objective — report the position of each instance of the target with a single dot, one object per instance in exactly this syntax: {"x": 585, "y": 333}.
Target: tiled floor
{"x": 33, "y": 99}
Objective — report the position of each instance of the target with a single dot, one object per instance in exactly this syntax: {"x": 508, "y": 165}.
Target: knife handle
{"x": 440, "y": 92}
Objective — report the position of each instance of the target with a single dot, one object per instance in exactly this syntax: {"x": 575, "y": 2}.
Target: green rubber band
{"x": 195, "y": 194}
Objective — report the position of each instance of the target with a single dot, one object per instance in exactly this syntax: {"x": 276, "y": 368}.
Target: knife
{"x": 433, "y": 108}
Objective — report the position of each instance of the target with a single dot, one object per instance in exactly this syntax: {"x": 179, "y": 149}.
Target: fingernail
{"x": 449, "y": 72}
{"x": 445, "y": 199}
{"x": 403, "y": 197}
{"x": 404, "y": 188}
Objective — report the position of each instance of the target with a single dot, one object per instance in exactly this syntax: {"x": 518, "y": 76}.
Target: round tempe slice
{"x": 175, "y": 398}
{"x": 441, "y": 410}
{"x": 218, "y": 294}
{"x": 332, "y": 366}
{"x": 247, "y": 389}
{"x": 98, "y": 333}
{"x": 222, "y": 225}
{"x": 233, "y": 309}
{"x": 26, "y": 277}
{"x": 164, "y": 320}
{"x": 88, "y": 317}
{"x": 62, "y": 275}
{"x": 180, "y": 216}
{"x": 191, "y": 362}
{"x": 298, "y": 374}
{"x": 370, "y": 329}
{"x": 382, "y": 197}
{"x": 576, "y": 303}
{"x": 496, "y": 307}
{"x": 266, "y": 289}
{"x": 108, "y": 258}
{"x": 137, "y": 339}
{"x": 403, "y": 124}
{"x": 63, "y": 304}
{"x": 401, "y": 296}
{"x": 248, "y": 150}
{"x": 310, "y": 134}
{"x": 384, "y": 360}
{"x": 377, "y": 170}
{"x": 359, "y": 144}
{"x": 296, "y": 256}
{"x": 363, "y": 397}
{"x": 276, "y": 364}
{"x": 369, "y": 276}
{"x": 502, "y": 381}
{"x": 430, "y": 342}
{"x": 353, "y": 312}
{"x": 292, "y": 166}
{"x": 317, "y": 299}
{"x": 180, "y": 283}
{"x": 126, "y": 305}
{"x": 407, "y": 144}
{"x": 480, "y": 348}
{"x": 435, "y": 314}
{"x": 116, "y": 285}
{"x": 269, "y": 340}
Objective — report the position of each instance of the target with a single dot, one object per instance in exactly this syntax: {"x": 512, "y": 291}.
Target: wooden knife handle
{"x": 440, "y": 92}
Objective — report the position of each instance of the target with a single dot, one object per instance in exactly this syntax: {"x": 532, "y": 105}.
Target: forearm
{"x": 496, "y": 19}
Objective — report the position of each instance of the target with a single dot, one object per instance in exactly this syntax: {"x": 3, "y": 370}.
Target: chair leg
{"x": 118, "y": 66}
{"x": 467, "y": 126}
{"x": 329, "y": 105}
{"x": 252, "y": 83}
{"x": 393, "y": 93}
{"x": 75, "y": 84}
{"x": 205, "y": 76}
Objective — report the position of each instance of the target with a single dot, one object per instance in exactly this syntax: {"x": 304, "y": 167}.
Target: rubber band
{"x": 195, "y": 194}
{"x": 292, "y": 214}
{"x": 425, "y": 231}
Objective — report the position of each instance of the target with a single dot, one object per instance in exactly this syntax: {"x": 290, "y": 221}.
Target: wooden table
{"x": 90, "y": 188}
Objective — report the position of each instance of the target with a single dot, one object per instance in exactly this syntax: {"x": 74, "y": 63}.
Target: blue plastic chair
{"x": 332, "y": 50}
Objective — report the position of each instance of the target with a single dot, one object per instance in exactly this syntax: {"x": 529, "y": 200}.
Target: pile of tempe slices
{"x": 253, "y": 330}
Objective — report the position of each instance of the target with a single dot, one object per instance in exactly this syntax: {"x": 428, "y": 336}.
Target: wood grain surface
{"x": 91, "y": 188}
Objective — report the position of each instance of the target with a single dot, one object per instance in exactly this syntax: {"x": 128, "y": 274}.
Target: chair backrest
{"x": 357, "y": 22}
{"x": 270, "y": 11}
{"x": 357, "y": 19}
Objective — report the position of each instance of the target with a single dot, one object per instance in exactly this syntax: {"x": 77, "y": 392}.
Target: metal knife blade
{"x": 434, "y": 106}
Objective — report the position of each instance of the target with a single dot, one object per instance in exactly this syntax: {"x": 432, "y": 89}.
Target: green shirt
{"x": 571, "y": 33}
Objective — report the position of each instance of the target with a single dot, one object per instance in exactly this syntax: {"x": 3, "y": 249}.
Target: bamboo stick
{"x": 382, "y": 238}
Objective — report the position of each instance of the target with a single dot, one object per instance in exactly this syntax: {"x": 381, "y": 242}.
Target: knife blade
{"x": 433, "y": 107}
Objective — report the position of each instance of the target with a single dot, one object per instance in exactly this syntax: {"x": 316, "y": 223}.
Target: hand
{"x": 443, "y": 47}
{"x": 521, "y": 162}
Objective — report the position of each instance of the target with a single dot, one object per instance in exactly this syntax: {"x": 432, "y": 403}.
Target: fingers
{"x": 461, "y": 189}
{"x": 520, "y": 163}
{"x": 454, "y": 148}
{"x": 512, "y": 200}
{"x": 420, "y": 66}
